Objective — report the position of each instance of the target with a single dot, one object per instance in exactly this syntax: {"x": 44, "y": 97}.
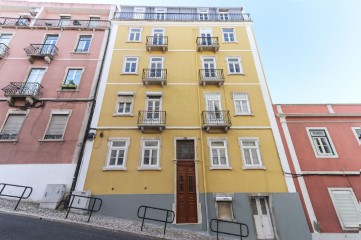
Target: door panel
{"x": 262, "y": 218}
{"x": 186, "y": 183}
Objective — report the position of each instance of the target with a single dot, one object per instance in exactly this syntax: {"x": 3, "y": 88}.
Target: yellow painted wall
{"x": 183, "y": 101}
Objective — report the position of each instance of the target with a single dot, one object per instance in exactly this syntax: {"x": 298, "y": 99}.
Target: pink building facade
{"x": 323, "y": 147}
{"x": 50, "y": 63}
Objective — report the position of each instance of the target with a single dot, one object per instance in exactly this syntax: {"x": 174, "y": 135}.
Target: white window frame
{"x": 36, "y": 68}
{"x": 110, "y": 148}
{"x": 53, "y": 113}
{"x": 331, "y": 145}
{"x": 258, "y": 151}
{"x": 81, "y": 69}
{"x": 339, "y": 213}
{"x": 228, "y": 200}
{"x": 224, "y": 147}
{"x": 139, "y": 12}
{"x": 162, "y": 12}
{"x": 229, "y": 35}
{"x": 137, "y": 35}
{"x": 127, "y": 61}
{"x": 230, "y": 60}
{"x": 244, "y": 100}
{"x": 203, "y": 14}
{"x": 76, "y": 50}
{"x": 11, "y": 36}
{"x": 9, "y": 113}
{"x": 358, "y": 136}
{"x": 119, "y": 96}
{"x": 223, "y": 14}
{"x": 144, "y": 148}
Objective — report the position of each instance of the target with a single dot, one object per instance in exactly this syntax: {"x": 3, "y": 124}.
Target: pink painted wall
{"x": 15, "y": 68}
{"x": 347, "y": 148}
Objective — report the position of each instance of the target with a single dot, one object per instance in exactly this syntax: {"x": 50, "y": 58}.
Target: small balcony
{"x": 14, "y": 22}
{"x": 155, "y": 43}
{"x": 25, "y": 92}
{"x": 207, "y": 44}
{"x": 154, "y": 76}
{"x": 216, "y": 120}
{"x": 211, "y": 76}
{"x": 4, "y": 50}
{"x": 151, "y": 120}
{"x": 46, "y": 51}
{"x": 72, "y": 24}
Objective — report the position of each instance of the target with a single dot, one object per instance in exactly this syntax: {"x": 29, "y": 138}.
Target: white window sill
{"x": 109, "y": 168}
{"x": 68, "y": 90}
{"x": 220, "y": 168}
{"x": 149, "y": 168}
{"x": 242, "y": 74}
{"x": 81, "y": 53}
{"x": 8, "y": 141}
{"x": 245, "y": 114}
{"x": 230, "y": 42}
{"x": 254, "y": 168}
{"x": 326, "y": 156}
{"x": 123, "y": 115}
{"x": 124, "y": 73}
{"x": 133, "y": 41}
{"x": 51, "y": 140}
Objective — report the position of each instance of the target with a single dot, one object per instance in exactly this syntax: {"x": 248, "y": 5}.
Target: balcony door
{"x": 262, "y": 218}
{"x": 156, "y": 66}
{"x": 158, "y": 34}
{"x": 49, "y": 44}
{"x": 209, "y": 65}
{"x": 206, "y": 36}
{"x": 214, "y": 113}
{"x": 33, "y": 81}
{"x": 154, "y": 104}
{"x": 139, "y": 13}
{"x": 186, "y": 182}
{"x": 160, "y": 13}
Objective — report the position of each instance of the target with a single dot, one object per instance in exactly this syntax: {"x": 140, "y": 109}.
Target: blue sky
{"x": 310, "y": 49}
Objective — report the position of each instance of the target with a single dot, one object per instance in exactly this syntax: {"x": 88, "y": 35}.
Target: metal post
{"x": 20, "y": 198}
{"x": 69, "y": 206}
{"x": 145, "y": 210}
{"x": 92, "y": 210}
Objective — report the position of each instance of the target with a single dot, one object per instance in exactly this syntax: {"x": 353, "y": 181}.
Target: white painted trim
{"x": 331, "y": 172}
{"x": 319, "y": 115}
{"x": 358, "y": 138}
{"x": 336, "y": 236}
{"x": 100, "y": 98}
{"x": 306, "y": 198}
{"x": 330, "y": 109}
{"x": 268, "y": 103}
{"x": 117, "y": 22}
{"x": 107, "y": 159}
{"x": 335, "y": 155}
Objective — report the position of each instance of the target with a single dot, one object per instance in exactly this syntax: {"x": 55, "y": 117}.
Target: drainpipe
{"x": 85, "y": 138}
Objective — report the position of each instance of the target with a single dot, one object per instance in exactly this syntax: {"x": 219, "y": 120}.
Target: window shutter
{"x": 56, "y": 126}
{"x": 13, "y": 124}
{"x": 224, "y": 210}
{"x": 346, "y": 207}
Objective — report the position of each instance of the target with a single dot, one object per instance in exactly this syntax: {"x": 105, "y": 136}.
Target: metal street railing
{"x": 218, "y": 231}
{"x": 14, "y": 187}
{"x": 165, "y": 220}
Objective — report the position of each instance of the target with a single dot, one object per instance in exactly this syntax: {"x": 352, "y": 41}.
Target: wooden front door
{"x": 186, "y": 183}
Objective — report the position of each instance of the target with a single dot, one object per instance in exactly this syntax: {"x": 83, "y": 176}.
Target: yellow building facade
{"x": 184, "y": 122}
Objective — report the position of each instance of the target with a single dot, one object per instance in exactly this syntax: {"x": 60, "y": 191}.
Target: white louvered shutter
{"x": 12, "y": 126}
{"x": 56, "y": 126}
{"x": 347, "y": 208}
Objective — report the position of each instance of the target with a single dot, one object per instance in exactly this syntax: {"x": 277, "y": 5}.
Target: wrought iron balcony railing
{"x": 154, "y": 76}
{"x": 4, "y": 50}
{"x": 211, "y": 76}
{"x": 157, "y": 43}
{"x": 48, "y": 51}
{"x": 22, "y": 89}
{"x": 216, "y": 119}
{"x": 151, "y": 119}
{"x": 231, "y": 17}
{"x": 72, "y": 24}
{"x": 207, "y": 43}
{"x": 14, "y": 22}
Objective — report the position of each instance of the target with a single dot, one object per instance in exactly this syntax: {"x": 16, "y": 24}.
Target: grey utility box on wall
{"x": 53, "y": 195}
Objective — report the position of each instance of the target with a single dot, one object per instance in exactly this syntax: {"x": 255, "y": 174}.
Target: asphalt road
{"x": 14, "y": 227}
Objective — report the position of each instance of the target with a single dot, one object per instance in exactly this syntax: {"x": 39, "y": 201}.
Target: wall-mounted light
{"x": 91, "y": 136}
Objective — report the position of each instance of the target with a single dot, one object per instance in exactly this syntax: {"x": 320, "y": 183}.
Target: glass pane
{"x": 215, "y": 144}
{"x": 146, "y": 157}
{"x": 247, "y": 156}
{"x": 185, "y": 149}
{"x": 254, "y": 156}
{"x": 190, "y": 184}
{"x": 120, "y": 159}
{"x": 263, "y": 206}
{"x": 254, "y": 206}
{"x": 113, "y": 155}
{"x": 181, "y": 184}
{"x": 154, "y": 157}
{"x": 247, "y": 143}
{"x": 151, "y": 144}
{"x": 119, "y": 144}
{"x": 222, "y": 155}
{"x": 215, "y": 157}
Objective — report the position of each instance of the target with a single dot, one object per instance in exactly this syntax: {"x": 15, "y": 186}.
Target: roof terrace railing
{"x": 72, "y": 23}
{"x": 231, "y": 17}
